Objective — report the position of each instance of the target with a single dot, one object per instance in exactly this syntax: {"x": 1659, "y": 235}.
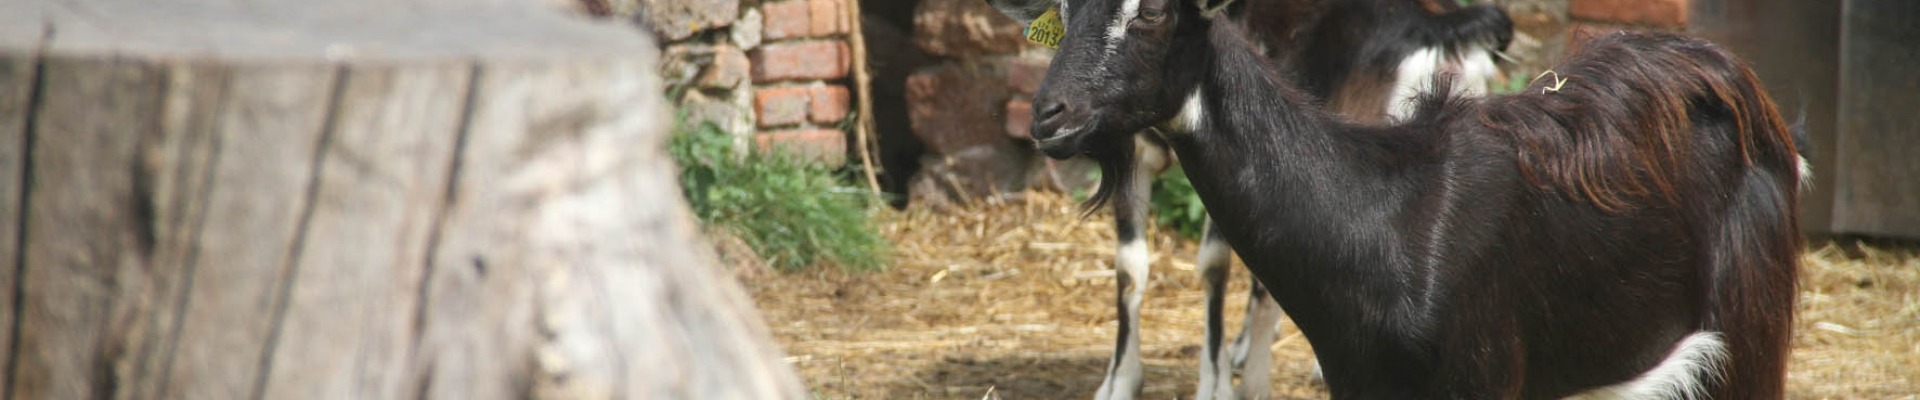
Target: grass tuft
{"x": 793, "y": 212}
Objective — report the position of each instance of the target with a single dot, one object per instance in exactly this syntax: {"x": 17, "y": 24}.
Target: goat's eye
{"x": 1151, "y": 14}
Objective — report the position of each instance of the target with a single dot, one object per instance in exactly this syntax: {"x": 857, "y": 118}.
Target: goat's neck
{"x": 1296, "y": 197}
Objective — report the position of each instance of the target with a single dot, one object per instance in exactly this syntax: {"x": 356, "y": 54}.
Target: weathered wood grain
{"x": 84, "y": 231}
{"x": 258, "y": 203}
{"x": 176, "y": 161}
{"x": 559, "y": 159}
{"x": 18, "y": 77}
{"x": 361, "y": 31}
{"x": 349, "y": 325}
{"x": 289, "y": 199}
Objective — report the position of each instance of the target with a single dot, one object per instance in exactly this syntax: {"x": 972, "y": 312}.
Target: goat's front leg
{"x": 1216, "y": 373}
{"x": 1131, "y": 269}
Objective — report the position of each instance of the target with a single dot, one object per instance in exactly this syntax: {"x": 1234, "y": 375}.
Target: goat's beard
{"x": 1116, "y": 158}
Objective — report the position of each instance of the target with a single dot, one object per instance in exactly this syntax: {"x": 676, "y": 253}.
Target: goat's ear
{"x": 1024, "y": 11}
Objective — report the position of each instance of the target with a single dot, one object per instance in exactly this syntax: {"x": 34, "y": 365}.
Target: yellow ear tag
{"x": 1047, "y": 30}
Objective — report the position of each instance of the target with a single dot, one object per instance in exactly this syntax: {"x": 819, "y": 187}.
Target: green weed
{"x": 1176, "y": 206}
{"x": 792, "y": 212}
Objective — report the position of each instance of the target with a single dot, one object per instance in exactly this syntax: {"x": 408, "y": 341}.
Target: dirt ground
{"x": 1016, "y": 300}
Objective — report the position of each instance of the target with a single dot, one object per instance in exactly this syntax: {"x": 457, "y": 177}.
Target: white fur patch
{"x": 1413, "y": 76}
{"x": 1118, "y": 30}
{"x": 1477, "y": 72}
{"x": 1133, "y": 258}
{"x": 1213, "y": 254}
{"x": 1192, "y": 113}
{"x": 1124, "y": 374}
{"x": 1683, "y": 375}
{"x": 1473, "y": 71}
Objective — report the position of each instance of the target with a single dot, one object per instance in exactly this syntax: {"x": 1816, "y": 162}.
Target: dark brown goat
{"x": 1623, "y": 229}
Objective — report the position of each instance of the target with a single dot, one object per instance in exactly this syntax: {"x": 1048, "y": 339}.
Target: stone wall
{"x": 970, "y": 107}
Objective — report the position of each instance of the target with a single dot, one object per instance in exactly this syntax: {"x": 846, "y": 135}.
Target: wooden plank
{"x": 349, "y": 325}
{"x": 81, "y": 234}
{"x": 269, "y": 131}
{"x": 17, "y": 80}
{"x": 1878, "y": 178}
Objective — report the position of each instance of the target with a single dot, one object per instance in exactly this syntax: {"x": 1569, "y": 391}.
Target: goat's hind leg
{"x": 1252, "y": 353}
{"x": 1123, "y": 379}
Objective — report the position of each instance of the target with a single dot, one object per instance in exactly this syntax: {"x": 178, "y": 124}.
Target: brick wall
{"x": 800, "y": 77}
{"x": 772, "y": 73}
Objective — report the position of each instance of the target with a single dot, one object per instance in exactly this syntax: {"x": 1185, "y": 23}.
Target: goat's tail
{"x": 1755, "y": 272}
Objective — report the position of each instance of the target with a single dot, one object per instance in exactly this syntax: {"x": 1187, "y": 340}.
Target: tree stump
{"x": 282, "y": 199}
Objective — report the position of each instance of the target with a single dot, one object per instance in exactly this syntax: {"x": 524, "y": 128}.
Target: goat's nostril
{"x": 1048, "y": 110}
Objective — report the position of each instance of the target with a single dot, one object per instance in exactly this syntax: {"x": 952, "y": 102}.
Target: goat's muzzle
{"x": 1058, "y": 128}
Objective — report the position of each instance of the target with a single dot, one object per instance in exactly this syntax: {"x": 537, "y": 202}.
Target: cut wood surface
{"x": 459, "y": 199}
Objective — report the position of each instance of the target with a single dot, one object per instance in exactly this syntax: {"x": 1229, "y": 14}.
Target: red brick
{"x": 1580, "y": 32}
{"x": 828, "y": 104}
{"x": 786, "y": 20}
{"x": 778, "y": 106}
{"x": 828, "y": 145}
{"x": 1024, "y": 75}
{"x": 795, "y": 19}
{"x": 827, "y": 17}
{"x": 800, "y": 60}
{"x": 1661, "y": 13}
{"x": 1020, "y": 118}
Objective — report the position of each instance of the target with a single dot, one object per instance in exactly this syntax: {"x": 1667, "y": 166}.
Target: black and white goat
{"x": 1623, "y": 229}
{"x": 1367, "y": 58}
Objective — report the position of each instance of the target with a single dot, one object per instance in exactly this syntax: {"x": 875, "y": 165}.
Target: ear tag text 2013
{"x": 1047, "y": 30}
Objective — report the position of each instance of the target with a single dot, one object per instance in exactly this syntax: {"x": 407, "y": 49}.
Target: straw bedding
{"x": 1014, "y": 300}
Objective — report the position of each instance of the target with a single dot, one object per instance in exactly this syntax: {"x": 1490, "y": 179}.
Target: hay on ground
{"x": 1017, "y": 297}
